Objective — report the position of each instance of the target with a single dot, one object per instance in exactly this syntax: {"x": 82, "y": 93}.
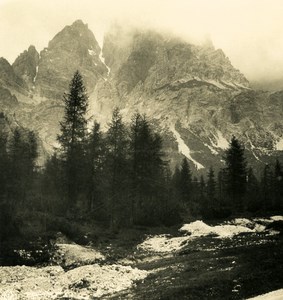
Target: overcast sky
{"x": 249, "y": 31}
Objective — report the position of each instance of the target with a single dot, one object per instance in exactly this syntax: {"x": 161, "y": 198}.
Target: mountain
{"x": 25, "y": 66}
{"x": 192, "y": 93}
{"x": 75, "y": 47}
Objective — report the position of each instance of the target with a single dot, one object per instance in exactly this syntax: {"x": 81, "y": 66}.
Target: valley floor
{"x": 239, "y": 259}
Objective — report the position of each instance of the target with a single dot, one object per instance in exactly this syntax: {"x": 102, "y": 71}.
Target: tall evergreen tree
{"x": 148, "y": 168}
{"x": 252, "y": 201}
{"x": 211, "y": 187}
{"x": 202, "y": 187}
{"x": 4, "y": 166}
{"x": 117, "y": 144}
{"x": 73, "y": 136}
{"x": 266, "y": 187}
{"x": 23, "y": 155}
{"x": 53, "y": 185}
{"x": 95, "y": 163}
{"x": 278, "y": 185}
{"x": 220, "y": 185}
{"x": 235, "y": 173}
{"x": 185, "y": 182}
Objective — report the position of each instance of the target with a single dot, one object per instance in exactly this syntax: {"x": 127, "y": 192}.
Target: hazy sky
{"x": 249, "y": 31}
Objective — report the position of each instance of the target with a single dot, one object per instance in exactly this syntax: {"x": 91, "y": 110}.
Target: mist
{"x": 248, "y": 31}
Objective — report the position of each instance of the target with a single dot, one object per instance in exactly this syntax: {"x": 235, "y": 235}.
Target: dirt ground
{"x": 120, "y": 266}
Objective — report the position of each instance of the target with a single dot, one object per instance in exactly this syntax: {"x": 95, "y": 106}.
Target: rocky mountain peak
{"x": 8, "y": 78}
{"x": 192, "y": 93}
{"x": 73, "y": 48}
{"x": 25, "y": 65}
{"x": 75, "y": 37}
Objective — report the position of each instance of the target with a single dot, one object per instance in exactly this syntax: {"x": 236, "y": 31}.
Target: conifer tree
{"x": 148, "y": 167}
{"x": 185, "y": 182}
{"x": 53, "y": 185}
{"x": 95, "y": 163}
{"x": 211, "y": 187}
{"x": 266, "y": 187}
{"x": 23, "y": 155}
{"x": 202, "y": 187}
{"x": 4, "y": 166}
{"x": 117, "y": 144}
{"x": 73, "y": 136}
{"x": 252, "y": 201}
{"x": 235, "y": 173}
{"x": 278, "y": 185}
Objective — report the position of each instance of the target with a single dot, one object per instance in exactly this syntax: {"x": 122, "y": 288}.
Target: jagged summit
{"x": 193, "y": 94}
{"x": 9, "y": 78}
{"x": 79, "y": 23}
{"x": 25, "y": 65}
{"x": 73, "y": 48}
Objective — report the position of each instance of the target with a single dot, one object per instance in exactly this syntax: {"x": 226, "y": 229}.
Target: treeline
{"x": 233, "y": 190}
{"x": 121, "y": 177}
{"x": 18, "y": 156}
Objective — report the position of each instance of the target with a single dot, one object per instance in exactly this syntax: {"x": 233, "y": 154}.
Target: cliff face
{"x": 25, "y": 66}
{"x": 193, "y": 94}
{"x": 74, "y": 48}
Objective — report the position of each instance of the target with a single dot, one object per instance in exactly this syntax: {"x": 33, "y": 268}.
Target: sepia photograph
{"x": 141, "y": 149}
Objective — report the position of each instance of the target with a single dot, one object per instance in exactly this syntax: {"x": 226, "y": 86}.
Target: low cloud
{"x": 249, "y": 31}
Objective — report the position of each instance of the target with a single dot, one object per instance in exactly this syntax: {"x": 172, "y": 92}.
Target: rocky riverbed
{"x": 230, "y": 260}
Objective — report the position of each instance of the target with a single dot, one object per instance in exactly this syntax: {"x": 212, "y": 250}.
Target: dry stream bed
{"x": 238, "y": 259}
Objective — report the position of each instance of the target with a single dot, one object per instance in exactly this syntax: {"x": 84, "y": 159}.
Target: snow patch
{"x": 184, "y": 149}
{"x": 221, "y": 142}
{"x": 36, "y": 72}
{"x": 232, "y": 85}
{"x": 275, "y": 295}
{"x": 241, "y": 86}
{"x": 91, "y": 52}
{"x": 279, "y": 145}
{"x": 216, "y": 83}
{"x": 103, "y": 61}
{"x": 213, "y": 151}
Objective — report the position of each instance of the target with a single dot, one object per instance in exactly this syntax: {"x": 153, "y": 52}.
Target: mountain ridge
{"x": 192, "y": 93}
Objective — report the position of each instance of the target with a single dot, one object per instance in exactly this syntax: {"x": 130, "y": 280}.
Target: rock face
{"x": 192, "y": 93}
{"x": 9, "y": 78}
{"x": 26, "y": 64}
{"x": 74, "y": 48}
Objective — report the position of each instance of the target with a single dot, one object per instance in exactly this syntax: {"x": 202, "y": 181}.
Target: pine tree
{"x": 185, "y": 182}
{"x": 266, "y": 187}
{"x": 211, "y": 188}
{"x": 16, "y": 186}
{"x": 53, "y": 185}
{"x": 95, "y": 164}
{"x": 202, "y": 187}
{"x": 73, "y": 136}
{"x": 176, "y": 182}
{"x": 278, "y": 185}
{"x": 252, "y": 201}
{"x": 148, "y": 168}
{"x": 117, "y": 144}
{"x": 220, "y": 185}
{"x": 235, "y": 173}
{"x": 4, "y": 166}
{"x": 23, "y": 155}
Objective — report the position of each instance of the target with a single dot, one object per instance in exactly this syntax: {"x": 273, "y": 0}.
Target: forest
{"x": 119, "y": 179}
